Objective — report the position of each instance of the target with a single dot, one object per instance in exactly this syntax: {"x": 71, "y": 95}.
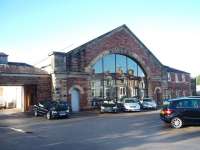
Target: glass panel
{"x": 132, "y": 67}
{"x": 140, "y": 72}
{"x": 121, "y": 64}
{"x": 97, "y": 68}
{"x": 117, "y": 76}
{"x": 109, "y": 63}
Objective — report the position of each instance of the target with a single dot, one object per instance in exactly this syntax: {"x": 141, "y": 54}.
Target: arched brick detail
{"x": 125, "y": 52}
{"x": 78, "y": 87}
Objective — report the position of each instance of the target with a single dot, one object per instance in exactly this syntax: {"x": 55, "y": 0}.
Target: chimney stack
{"x": 3, "y": 58}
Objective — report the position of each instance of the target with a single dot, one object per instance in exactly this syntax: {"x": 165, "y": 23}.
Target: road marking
{"x": 53, "y": 144}
{"x": 16, "y": 129}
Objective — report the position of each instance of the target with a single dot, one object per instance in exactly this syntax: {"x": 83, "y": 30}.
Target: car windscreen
{"x": 147, "y": 100}
{"x": 60, "y": 106}
{"x": 108, "y": 105}
{"x": 131, "y": 101}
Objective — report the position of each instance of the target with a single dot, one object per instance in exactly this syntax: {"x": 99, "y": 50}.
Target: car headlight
{"x": 115, "y": 107}
{"x": 102, "y": 107}
{"x": 67, "y": 110}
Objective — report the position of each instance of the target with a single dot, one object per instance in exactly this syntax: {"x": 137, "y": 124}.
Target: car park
{"x": 181, "y": 111}
{"x": 148, "y": 103}
{"x": 52, "y": 109}
{"x": 131, "y": 104}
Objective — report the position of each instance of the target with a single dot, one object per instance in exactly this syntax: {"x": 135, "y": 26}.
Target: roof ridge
{"x": 99, "y": 37}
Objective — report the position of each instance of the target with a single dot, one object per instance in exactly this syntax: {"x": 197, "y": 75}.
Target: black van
{"x": 182, "y": 111}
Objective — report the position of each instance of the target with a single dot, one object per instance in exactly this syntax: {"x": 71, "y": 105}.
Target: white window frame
{"x": 183, "y": 77}
{"x": 169, "y": 76}
{"x": 176, "y": 77}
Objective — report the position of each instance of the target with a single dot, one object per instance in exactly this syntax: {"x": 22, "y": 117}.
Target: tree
{"x": 198, "y": 80}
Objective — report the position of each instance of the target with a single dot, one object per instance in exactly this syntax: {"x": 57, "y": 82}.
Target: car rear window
{"x": 186, "y": 103}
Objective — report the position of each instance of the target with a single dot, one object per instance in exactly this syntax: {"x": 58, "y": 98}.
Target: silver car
{"x": 131, "y": 104}
{"x": 148, "y": 103}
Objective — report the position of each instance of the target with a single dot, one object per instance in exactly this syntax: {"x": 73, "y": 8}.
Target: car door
{"x": 191, "y": 110}
{"x": 196, "y": 105}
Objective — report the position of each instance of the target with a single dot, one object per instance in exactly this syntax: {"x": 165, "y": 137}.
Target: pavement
{"x": 91, "y": 130}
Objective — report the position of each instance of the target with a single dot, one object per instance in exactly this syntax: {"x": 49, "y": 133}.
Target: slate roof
{"x": 170, "y": 69}
{"x": 20, "y": 68}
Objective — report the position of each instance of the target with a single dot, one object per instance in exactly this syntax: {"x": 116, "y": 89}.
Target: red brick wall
{"x": 121, "y": 42}
{"x": 118, "y": 42}
{"x": 84, "y": 84}
{"x": 43, "y": 84}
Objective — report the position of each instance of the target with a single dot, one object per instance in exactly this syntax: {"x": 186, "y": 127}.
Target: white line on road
{"x": 18, "y": 130}
{"x": 14, "y": 129}
{"x": 53, "y": 144}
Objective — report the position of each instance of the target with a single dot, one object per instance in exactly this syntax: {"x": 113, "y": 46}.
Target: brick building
{"x": 112, "y": 66}
{"x": 22, "y": 85}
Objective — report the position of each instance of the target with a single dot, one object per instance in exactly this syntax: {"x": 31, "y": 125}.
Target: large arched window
{"x": 116, "y": 76}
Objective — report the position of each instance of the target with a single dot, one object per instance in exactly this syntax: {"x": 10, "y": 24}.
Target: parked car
{"x": 148, "y": 103}
{"x": 131, "y": 104}
{"x": 97, "y": 102}
{"x": 52, "y": 109}
{"x": 182, "y": 111}
{"x": 109, "y": 106}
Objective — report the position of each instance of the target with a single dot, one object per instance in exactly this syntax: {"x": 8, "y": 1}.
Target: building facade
{"x": 114, "y": 65}
{"x": 22, "y": 85}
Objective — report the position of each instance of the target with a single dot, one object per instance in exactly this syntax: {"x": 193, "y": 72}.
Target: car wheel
{"x": 35, "y": 113}
{"x": 48, "y": 115}
{"x": 176, "y": 123}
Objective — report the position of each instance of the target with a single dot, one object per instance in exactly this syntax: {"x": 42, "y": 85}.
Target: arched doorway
{"x": 75, "y": 100}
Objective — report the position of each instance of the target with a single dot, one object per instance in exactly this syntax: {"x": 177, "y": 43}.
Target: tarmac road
{"x": 123, "y": 131}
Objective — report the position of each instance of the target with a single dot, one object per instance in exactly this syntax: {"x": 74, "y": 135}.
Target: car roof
{"x": 183, "y": 98}
{"x": 193, "y": 96}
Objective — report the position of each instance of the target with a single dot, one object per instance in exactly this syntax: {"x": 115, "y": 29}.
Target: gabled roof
{"x": 122, "y": 27}
{"x": 170, "y": 69}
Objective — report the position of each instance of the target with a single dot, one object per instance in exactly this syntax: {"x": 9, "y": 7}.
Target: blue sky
{"x": 30, "y": 29}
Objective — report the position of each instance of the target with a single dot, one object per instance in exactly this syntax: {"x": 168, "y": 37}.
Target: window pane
{"x": 116, "y": 77}
{"x": 132, "y": 66}
{"x": 140, "y": 72}
{"x": 109, "y": 63}
{"x": 121, "y": 64}
{"x": 97, "y": 68}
